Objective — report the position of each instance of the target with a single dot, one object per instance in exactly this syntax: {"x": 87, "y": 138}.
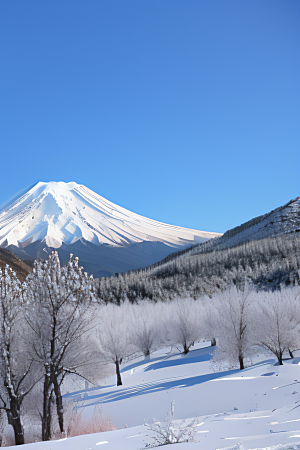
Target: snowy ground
{"x": 256, "y": 408}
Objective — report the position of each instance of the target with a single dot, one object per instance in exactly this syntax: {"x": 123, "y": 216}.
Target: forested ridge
{"x": 267, "y": 263}
{"x": 281, "y": 221}
{"x": 264, "y": 251}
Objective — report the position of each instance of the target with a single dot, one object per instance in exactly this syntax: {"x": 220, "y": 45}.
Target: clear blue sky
{"x": 187, "y": 112}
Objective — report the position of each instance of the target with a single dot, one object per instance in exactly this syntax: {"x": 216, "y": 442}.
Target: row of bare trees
{"x": 239, "y": 322}
{"x": 243, "y": 320}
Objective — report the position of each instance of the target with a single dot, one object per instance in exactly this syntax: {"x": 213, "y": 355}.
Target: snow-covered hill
{"x": 71, "y": 218}
{"x": 280, "y": 221}
{"x": 257, "y": 408}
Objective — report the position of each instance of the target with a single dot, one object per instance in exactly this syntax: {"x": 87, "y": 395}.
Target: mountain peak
{"x": 60, "y": 213}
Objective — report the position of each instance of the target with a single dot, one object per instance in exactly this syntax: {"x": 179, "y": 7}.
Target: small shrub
{"x": 171, "y": 433}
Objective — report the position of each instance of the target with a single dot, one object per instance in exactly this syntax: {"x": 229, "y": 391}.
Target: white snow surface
{"x": 257, "y": 408}
{"x": 59, "y": 212}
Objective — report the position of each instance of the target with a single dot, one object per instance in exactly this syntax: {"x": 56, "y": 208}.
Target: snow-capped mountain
{"x": 71, "y": 218}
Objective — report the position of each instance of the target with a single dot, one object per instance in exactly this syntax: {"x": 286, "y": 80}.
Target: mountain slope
{"x": 71, "y": 218}
{"x": 282, "y": 221}
{"x": 21, "y": 269}
{"x": 264, "y": 250}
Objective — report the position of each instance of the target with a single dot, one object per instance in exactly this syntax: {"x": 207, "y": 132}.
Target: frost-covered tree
{"x": 59, "y": 316}
{"x": 233, "y": 323}
{"x": 114, "y": 335}
{"x": 146, "y": 327}
{"x": 184, "y": 323}
{"x": 208, "y": 313}
{"x": 278, "y": 322}
{"x": 294, "y": 316}
{"x": 17, "y": 377}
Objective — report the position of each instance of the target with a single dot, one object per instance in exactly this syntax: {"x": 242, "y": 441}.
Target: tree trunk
{"x": 119, "y": 379}
{"x": 279, "y": 357}
{"x": 59, "y": 403}
{"x": 241, "y": 361}
{"x": 185, "y": 349}
{"x": 46, "y": 419}
{"x": 2, "y": 424}
{"x": 291, "y": 354}
{"x": 14, "y": 419}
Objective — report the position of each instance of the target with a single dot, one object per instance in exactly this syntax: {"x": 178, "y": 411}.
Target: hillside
{"x": 254, "y": 409}
{"x": 284, "y": 220}
{"x": 281, "y": 221}
{"x": 265, "y": 251}
{"x": 21, "y": 269}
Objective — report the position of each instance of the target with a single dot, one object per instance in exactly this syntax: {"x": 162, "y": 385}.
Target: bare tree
{"x": 294, "y": 315}
{"x": 184, "y": 323}
{"x": 208, "y": 312}
{"x": 277, "y": 322}
{"x": 17, "y": 377}
{"x": 114, "y": 337}
{"x": 233, "y": 323}
{"x": 146, "y": 327}
{"x": 60, "y": 320}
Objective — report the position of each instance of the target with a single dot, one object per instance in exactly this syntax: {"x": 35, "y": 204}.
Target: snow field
{"x": 255, "y": 405}
{"x": 258, "y": 407}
